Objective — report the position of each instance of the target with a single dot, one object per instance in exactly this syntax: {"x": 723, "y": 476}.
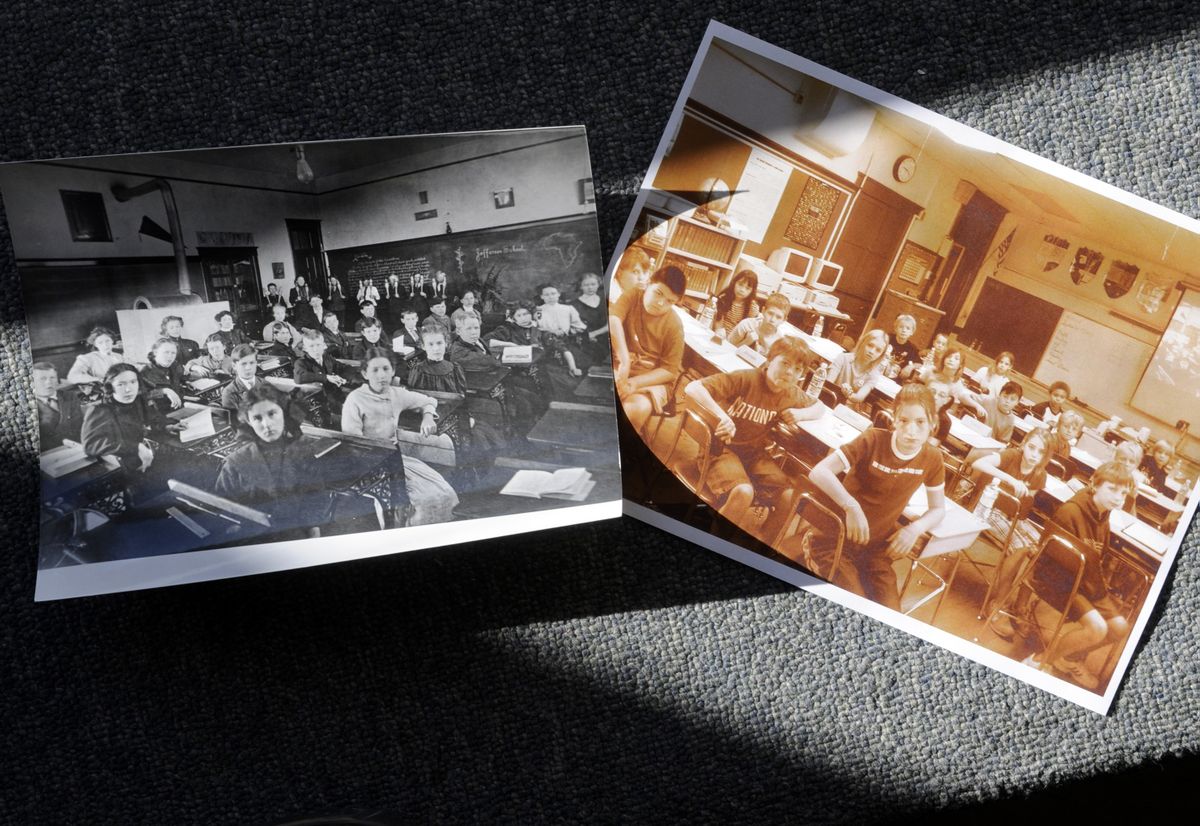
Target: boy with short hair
{"x": 999, "y": 409}
{"x": 1095, "y": 616}
{"x": 279, "y": 316}
{"x": 904, "y": 352}
{"x": 761, "y": 331}
{"x": 60, "y": 413}
{"x": 245, "y": 376}
{"x": 1049, "y": 411}
{"x": 632, "y": 272}
{"x": 339, "y": 345}
{"x": 372, "y": 337}
{"x": 647, "y": 339}
{"x": 437, "y": 315}
{"x": 367, "y": 310}
{"x": 318, "y": 367}
{"x": 409, "y": 333}
{"x": 745, "y": 405}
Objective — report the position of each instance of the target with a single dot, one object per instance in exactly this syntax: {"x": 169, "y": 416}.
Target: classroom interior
{"x": 859, "y": 214}
{"x": 123, "y": 242}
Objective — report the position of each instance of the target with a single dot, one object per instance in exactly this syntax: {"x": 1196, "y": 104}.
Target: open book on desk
{"x": 572, "y": 484}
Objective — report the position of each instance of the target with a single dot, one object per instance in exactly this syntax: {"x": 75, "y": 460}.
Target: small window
{"x": 86, "y": 215}
{"x": 423, "y": 196}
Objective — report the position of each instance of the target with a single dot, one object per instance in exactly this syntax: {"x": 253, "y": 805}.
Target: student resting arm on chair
{"x": 647, "y": 339}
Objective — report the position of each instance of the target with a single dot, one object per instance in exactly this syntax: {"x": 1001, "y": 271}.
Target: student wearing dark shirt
{"x": 172, "y": 328}
{"x": 215, "y": 362}
{"x": 745, "y": 405}
{"x": 283, "y": 344}
{"x": 521, "y": 393}
{"x": 904, "y": 352}
{"x": 335, "y": 340}
{"x": 882, "y": 470}
{"x": 518, "y": 328}
{"x": 1157, "y": 466}
{"x": 647, "y": 340}
{"x": 163, "y": 377}
{"x": 408, "y": 331}
{"x": 372, "y": 338}
{"x": 1049, "y": 411}
{"x": 367, "y": 310}
{"x": 318, "y": 367}
{"x": 119, "y": 424}
{"x": 228, "y": 332}
{"x": 1094, "y": 615}
{"x": 60, "y": 415}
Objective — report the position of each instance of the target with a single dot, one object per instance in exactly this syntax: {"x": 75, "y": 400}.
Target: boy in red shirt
{"x": 746, "y": 404}
{"x": 882, "y": 470}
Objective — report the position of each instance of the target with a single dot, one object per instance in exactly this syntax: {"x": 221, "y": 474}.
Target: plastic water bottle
{"x": 710, "y": 313}
{"x": 819, "y": 327}
{"x": 988, "y": 498}
{"x": 817, "y": 382}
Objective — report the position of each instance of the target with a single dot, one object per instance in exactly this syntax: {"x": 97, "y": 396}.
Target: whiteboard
{"x": 1102, "y": 365}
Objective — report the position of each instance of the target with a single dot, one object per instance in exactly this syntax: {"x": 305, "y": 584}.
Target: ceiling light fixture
{"x": 304, "y": 172}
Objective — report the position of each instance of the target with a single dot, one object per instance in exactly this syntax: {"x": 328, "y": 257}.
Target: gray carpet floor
{"x": 602, "y": 672}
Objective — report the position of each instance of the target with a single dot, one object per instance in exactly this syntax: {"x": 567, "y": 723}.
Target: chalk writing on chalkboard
{"x": 367, "y": 267}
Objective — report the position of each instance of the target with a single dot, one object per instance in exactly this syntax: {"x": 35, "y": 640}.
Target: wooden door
{"x": 973, "y": 230}
{"x": 308, "y": 253}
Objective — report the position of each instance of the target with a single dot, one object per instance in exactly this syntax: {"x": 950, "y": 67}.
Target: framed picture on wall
{"x": 503, "y": 198}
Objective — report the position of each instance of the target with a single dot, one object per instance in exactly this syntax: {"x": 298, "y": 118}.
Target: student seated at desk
{"x": 1129, "y": 454}
{"x": 172, "y": 328}
{"x": 310, "y": 313}
{"x": 998, "y": 410}
{"x": 1021, "y": 472}
{"x": 883, "y": 469}
{"x": 949, "y": 369}
{"x": 994, "y": 379}
{"x": 215, "y": 362}
{"x": 408, "y": 331}
{"x": 904, "y": 352}
{"x": 274, "y": 471}
{"x": 162, "y": 378}
{"x": 228, "y": 332}
{"x": 367, "y": 311}
{"x": 647, "y": 339}
{"x": 941, "y": 401}
{"x": 318, "y": 367}
{"x": 283, "y": 345}
{"x": 524, "y": 397}
{"x": 856, "y": 371}
{"x": 1049, "y": 411}
{"x": 632, "y": 273}
{"x": 434, "y": 372}
{"x": 518, "y": 328}
{"x": 279, "y": 316}
{"x": 761, "y": 331}
{"x": 466, "y": 306}
{"x": 929, "y": 358}
{"x": 372, "y": 337}
{"x": 561, "y": 326}
{"x": 60, "y": 412}
{"x": 1093, "y": 614}
{"x": 1156, "y": 466}
{"x": 118, "y": 425}
{"x": 245, "y": 377}
{"x": 437, "y": 315}
{"x": 746, "y": 404}
{"x": 336, "y": 342}
{"x": 736, "y": 302}
{"x": 374, "y": 409}
{"x": 1066, "y": 434}
{"x": 91, "y": 367}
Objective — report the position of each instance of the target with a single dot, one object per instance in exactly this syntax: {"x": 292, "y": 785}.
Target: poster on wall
{"x": 865, "y": 471}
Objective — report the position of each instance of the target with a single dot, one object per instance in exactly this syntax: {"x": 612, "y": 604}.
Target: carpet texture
{"x": 604, "y": 672}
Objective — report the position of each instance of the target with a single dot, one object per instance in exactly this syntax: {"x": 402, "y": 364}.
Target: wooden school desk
{"x": 576, "y": 428}
{"x": 968, "y": 437}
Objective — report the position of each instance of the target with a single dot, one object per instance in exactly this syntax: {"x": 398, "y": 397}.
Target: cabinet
{"x": 231, "y": 274}
{"x": 706, "y": 254}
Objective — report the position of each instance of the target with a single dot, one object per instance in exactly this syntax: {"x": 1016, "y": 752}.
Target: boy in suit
{"x": 60, "y": 415}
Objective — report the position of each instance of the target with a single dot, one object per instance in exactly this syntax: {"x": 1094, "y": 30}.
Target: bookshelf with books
{"x": 706, "y": 254}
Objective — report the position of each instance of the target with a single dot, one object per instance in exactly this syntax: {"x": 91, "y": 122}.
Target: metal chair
{"x": 1058, "y": 470}
{"x": 817, "y": 522}
{"x": 694, "y": 477}
{"x": 831, "y": 396}
{"x": 1056, "y": 552}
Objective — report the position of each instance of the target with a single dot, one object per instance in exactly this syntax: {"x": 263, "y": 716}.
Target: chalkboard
{"x": 1101, "y": 365}
{"x": 512, "y": 261}
{"x": 1005, "y": 318}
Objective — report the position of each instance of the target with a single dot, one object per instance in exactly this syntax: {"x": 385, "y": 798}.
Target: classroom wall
{"x": 544, "y": 178}
{"x": 40, "y": 230}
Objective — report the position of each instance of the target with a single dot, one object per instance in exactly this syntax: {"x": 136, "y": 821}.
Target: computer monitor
{"x": 793, "y": 264}
{"x": 824, "y": 276}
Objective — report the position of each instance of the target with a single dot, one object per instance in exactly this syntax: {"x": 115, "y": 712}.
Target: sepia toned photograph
{"x": 257, "y": 358}
{"x": 918, "y": 371}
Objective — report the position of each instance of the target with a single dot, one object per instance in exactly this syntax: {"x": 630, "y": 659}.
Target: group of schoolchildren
{"x": 128, "y": 415}
{"x": 871, "y": 479}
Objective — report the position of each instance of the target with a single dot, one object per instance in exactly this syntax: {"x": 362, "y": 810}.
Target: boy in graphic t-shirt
{"x": 882, "y": 470}
{"x": 746, "y": 404}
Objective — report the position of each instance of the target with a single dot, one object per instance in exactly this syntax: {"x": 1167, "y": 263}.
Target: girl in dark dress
{"x": 274, "y": 471}
{"x": 172, "y": 328}
{"x": 593, "y": 309}
{"x": 163, "y": 377}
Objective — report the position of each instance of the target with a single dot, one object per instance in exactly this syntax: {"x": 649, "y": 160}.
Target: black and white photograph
{"x": 257, "y": 358}
{"x": 914, "y": 369}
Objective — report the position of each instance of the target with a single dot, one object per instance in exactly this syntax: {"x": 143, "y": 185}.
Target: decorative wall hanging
{"x": 1152, "y": 291}
{"x": 1086, "y": 265}
{"x": 1120, "y": 278}
{"x": 812, "y": 214}
{"x": 1054, "y": 250}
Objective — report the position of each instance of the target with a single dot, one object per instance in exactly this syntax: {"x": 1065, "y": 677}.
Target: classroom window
{"x": 86, "y": 215}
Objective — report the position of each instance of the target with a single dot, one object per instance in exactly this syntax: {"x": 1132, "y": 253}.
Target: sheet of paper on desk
{"x": 269, "y": 363}
{"x": 738, "y": 106}
{"x": 517, "y": 354}
{"x": 198, "y": 426}
{"x": 1141, "y": 532}
{"x": 200, "y": 385}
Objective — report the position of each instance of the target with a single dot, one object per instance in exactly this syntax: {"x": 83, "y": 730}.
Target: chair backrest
{"x": 1057, "y": 469}
{"x": 698, "y": 430}
{"x": 831, "y": 396}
